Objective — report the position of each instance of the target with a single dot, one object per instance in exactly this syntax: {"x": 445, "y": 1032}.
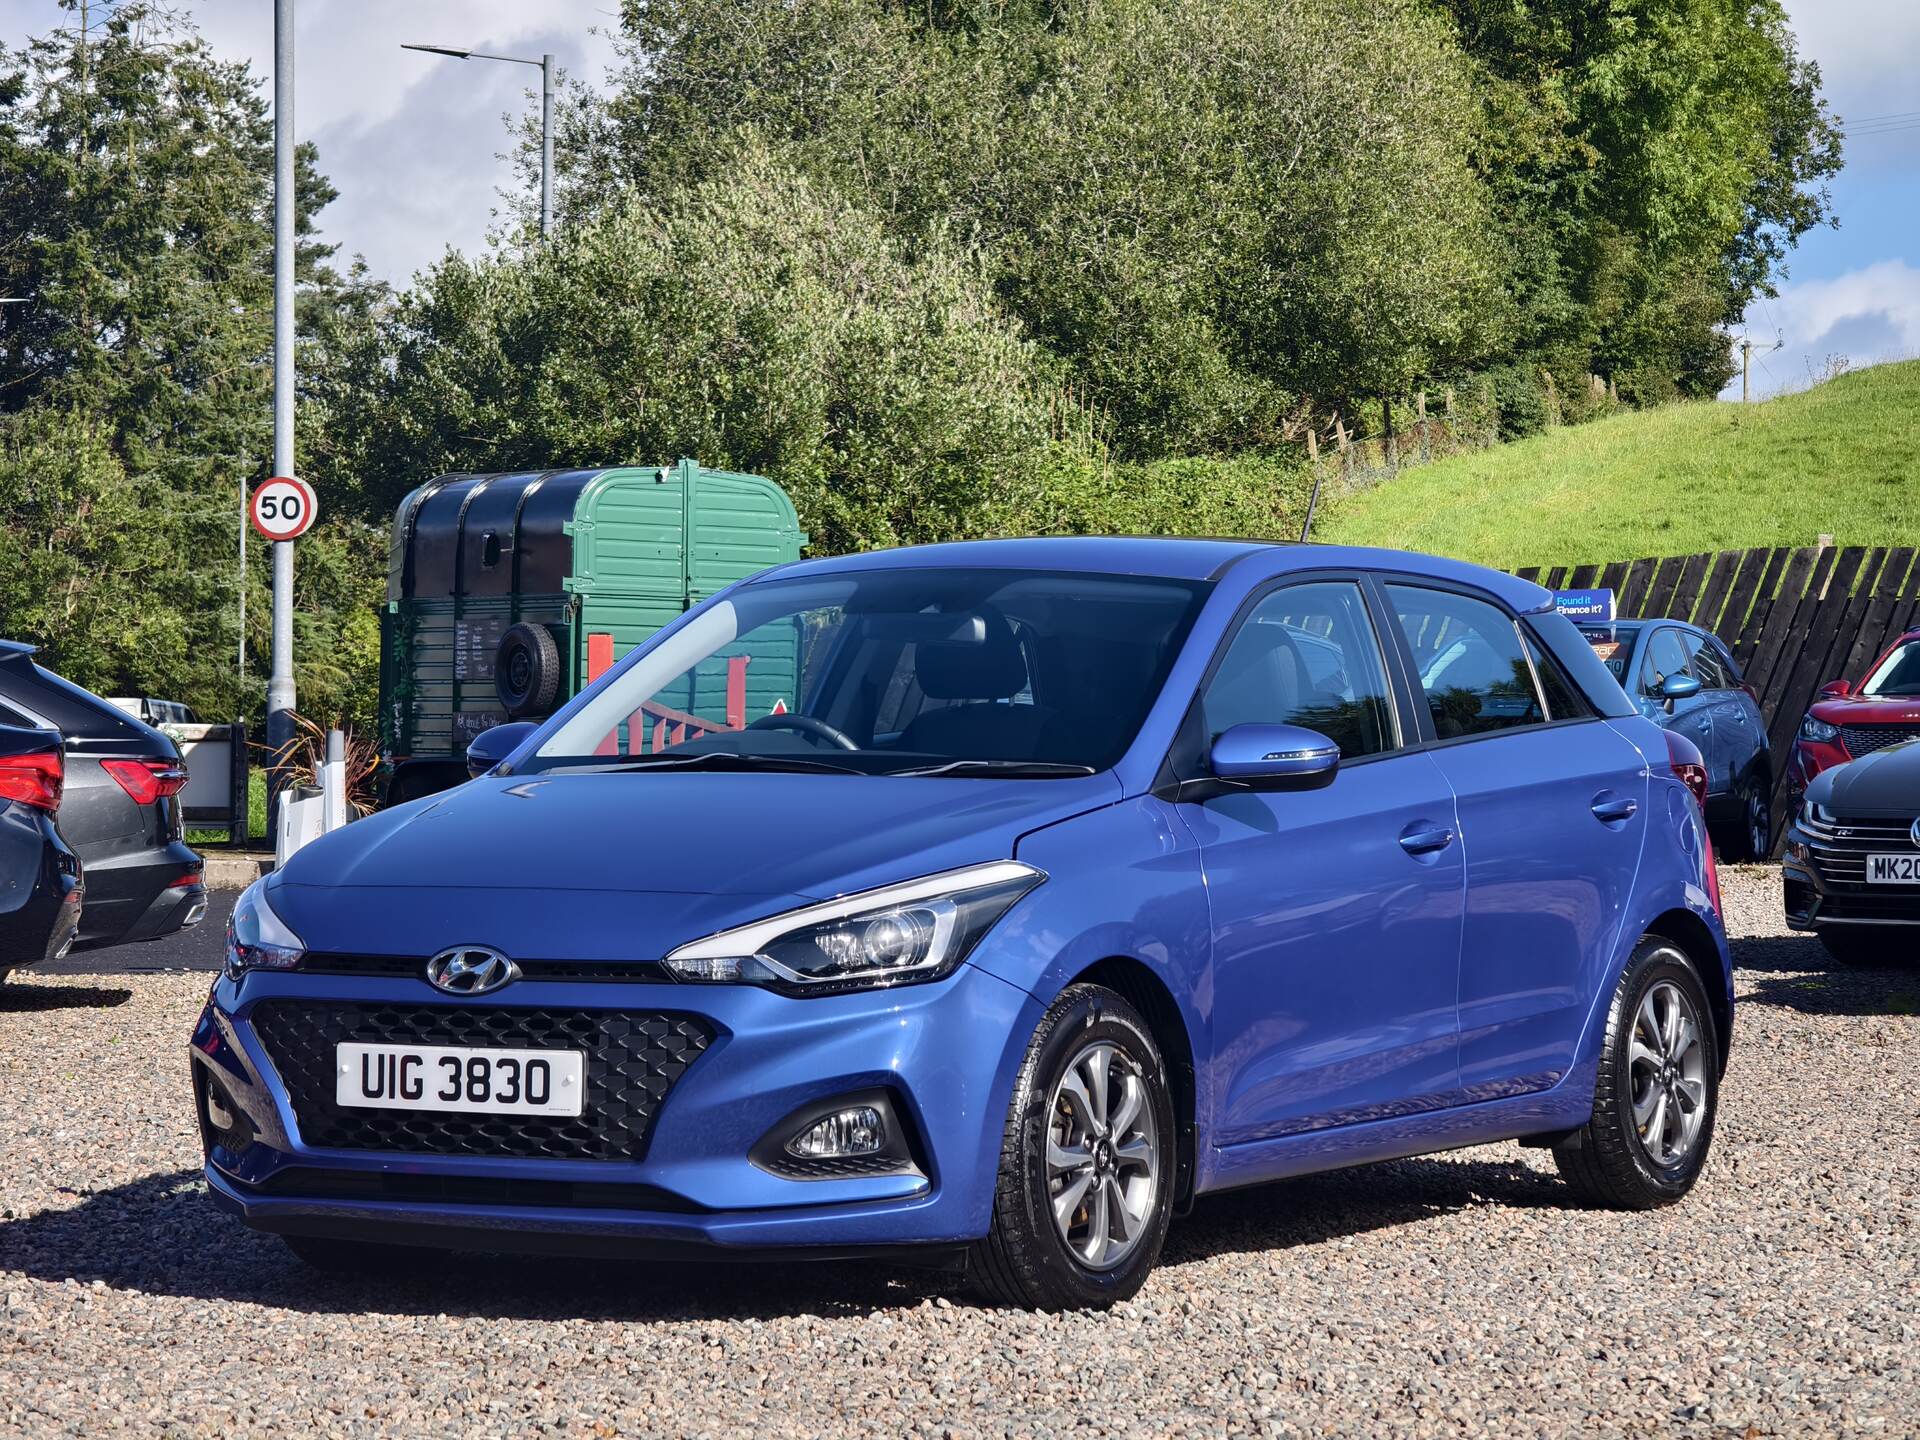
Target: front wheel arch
{"x": 1142, "y": 988}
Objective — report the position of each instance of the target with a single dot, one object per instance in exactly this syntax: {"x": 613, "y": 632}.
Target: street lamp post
{"x": 545, "y": 62}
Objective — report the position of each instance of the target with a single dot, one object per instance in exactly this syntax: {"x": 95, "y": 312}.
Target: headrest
{"x": 991, "y": 669}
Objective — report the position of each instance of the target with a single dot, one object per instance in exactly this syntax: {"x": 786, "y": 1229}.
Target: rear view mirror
{"x": 1275, "y": 757}
{"x": 1679, "y": 687}
{"x": 1835, "y": 690}
{"x": 495, "y": 743}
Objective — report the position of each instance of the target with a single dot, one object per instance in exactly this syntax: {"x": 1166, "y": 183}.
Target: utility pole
{"x": 280, "y": 694}
{"x": 1746, "y": 364}
{"x": 545, "y": 62}
{"x": 546, "y": 146}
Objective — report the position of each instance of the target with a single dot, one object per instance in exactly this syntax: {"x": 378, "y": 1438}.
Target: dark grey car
{"x": 120, "y": 812}
{"x": 1852, "y": 868}
{"x": 40, "y": 882}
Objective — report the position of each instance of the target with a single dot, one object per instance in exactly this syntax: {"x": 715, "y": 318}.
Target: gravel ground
{"x": 1461, "y": 1294}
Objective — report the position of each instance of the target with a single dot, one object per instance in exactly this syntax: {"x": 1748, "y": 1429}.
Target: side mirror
{"x": 1679, "y": 687}
{"x": 494, "y": 744}
{"x": 1835, "y": 690}
{"x": 1275, "y": 757}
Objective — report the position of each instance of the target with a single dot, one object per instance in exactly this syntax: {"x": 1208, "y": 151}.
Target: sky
{"x": 415, "y": 144}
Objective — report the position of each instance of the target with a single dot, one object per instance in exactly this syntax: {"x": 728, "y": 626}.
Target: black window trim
{"x": 1430, "y": 738}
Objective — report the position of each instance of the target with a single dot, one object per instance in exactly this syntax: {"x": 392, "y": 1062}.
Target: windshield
{"x": 1896, "y": 676}
{"x": 888, "y": 672}
{"x": 1613, "y": 644}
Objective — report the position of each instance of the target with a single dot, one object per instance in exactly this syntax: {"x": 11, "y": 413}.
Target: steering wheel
{"x": 806, "y": 725}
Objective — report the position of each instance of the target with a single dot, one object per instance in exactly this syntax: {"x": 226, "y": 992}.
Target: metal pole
{"x": 546, "y": 146}
{"x": 280, "y": 694}
{"x": 1746, "y": 361}
{"x": 243, "y": 575}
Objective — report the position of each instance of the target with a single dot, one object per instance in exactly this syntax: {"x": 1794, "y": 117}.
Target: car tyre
{"x": 1865, "y": 948}
{"x": 1750, "y": 836}
{"x": 1658, "y": 1089}
{"x": 355, "y": 1257}
{"x": 1092, "y": 1113}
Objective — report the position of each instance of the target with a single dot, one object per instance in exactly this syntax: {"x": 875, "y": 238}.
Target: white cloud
{"x": 1864, "y": 316}
{"x": 412, "y": 142}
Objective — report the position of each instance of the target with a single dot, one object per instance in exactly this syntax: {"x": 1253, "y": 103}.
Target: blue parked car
{"x": 1684, "y": 680}
{"x": 1057, "y": 883}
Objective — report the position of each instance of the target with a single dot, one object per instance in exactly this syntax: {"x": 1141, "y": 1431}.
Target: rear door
{"x": 1551, "y": 801}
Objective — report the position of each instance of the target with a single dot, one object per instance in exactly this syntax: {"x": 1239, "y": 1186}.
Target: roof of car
{"x": 1172, "y": 557}
{"x": 13, "y": 649}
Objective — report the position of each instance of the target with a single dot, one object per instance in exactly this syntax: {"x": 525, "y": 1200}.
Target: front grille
{"x": 632, "y": 1060}
{"x": 1839, "y": 851}
{"x": 1865, "y": 739}
{"x": 414, "y": 967}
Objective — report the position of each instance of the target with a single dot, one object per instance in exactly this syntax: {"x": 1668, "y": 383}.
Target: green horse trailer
{"x": 507, "y": 594}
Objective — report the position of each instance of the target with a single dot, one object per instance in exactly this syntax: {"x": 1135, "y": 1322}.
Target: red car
{"x": 1847, "y": 722}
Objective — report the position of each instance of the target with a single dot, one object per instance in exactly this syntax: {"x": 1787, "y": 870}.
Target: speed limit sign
{"x": 283, "y": 508}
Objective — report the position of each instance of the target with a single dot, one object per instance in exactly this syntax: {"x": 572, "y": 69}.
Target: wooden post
{"x": 1390, "y": 453}
{"x": 1346, "y": 452}
{"x": 1426, "y": 447}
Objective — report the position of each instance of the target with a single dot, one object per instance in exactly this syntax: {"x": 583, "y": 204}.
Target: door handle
{"x": 1425, "y": 842}
{"x": 1613, "y": 809}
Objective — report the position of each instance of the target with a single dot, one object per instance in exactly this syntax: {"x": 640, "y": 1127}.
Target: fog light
{"x": 217, "y": 1111}
{"x": 859, "y": 1130}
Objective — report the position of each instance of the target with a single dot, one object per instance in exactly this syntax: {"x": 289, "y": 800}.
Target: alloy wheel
{"x": 1667, "y": 1075}
{"x": 1759, "y": 823}
{"x": 1103, "y": 1156}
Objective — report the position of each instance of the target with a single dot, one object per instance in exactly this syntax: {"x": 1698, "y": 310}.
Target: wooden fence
{"x": 1794, "y": 619}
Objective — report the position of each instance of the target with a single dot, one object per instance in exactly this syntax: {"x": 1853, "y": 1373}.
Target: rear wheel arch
{"x": 1689, "y": 932}
{"x": 1139, "y": 985}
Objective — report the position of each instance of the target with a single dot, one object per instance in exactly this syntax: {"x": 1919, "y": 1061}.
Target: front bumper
{"x": 943, "y": 1054}
{"x": 1823, "y": 879}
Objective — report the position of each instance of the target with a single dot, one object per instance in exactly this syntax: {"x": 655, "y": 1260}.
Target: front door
{"x": 1667, "y": 656}
{"x": 1336, "y": 912}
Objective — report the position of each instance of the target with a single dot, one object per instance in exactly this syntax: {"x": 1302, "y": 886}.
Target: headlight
{"x": 1815, "y": 729}
{"x": 258, "y": 939}
{"x": 1816, "y": 815}
{"x": 896, "y": 935}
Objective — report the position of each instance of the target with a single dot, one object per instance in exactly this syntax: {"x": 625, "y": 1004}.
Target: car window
{"x": 1471, "y": 663}
{"x": 1898, "y": 674}
{"x": 1306, "y": 655}
{"x": 1564, "y": 700}
{"x": 896, "y": 671}
{"x": 1613, "y": 646}
{"x": 1703, "y": 662}
{"x": 1666, "y": 657}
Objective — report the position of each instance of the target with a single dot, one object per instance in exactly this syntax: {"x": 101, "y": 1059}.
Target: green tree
{"x": 1654, "y": 162}
{"x": 1208, "y": 209}
{"x": 135, "y": 222}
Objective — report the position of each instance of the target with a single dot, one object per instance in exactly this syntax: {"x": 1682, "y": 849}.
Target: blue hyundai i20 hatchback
{"x": 983, "y": 904}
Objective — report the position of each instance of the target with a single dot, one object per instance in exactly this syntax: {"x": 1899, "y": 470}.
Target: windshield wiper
{"x": 1002, "y": 769}
{"x": 710, "y": 760}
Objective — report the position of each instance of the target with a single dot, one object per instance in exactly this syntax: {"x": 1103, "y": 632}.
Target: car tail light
{"x": 147, "y": 780}
{"x": 1689, "y": 766}
{"x": 34, "y": 780}
{"x": 1690, "y": 769}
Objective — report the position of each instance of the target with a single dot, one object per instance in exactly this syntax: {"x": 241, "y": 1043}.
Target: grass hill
{"x": 1842, "y": 459}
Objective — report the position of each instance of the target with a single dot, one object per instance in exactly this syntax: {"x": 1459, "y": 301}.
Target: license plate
{"x": 464, "y": 1079}
{"x": 1893, "y": 869}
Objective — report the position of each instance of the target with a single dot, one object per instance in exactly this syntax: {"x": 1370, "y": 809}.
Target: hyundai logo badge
{"x": 470, "y": 970}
